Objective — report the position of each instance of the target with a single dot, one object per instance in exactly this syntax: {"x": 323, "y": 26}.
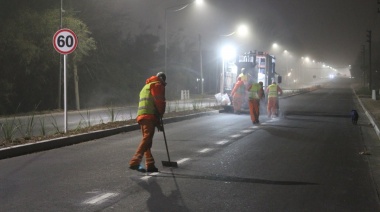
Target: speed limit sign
{"x": 65, "y": 41}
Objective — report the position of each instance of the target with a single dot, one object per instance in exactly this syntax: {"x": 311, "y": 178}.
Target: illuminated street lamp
{"x": 241, "y": 31}
{"x": 175, "y": 8}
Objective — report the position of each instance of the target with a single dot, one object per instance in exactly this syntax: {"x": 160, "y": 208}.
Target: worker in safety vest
{"x": 244, "y": 76}
{"x": 273, "y": 91}
{"x": 151, "y": 108}
{"x": 256, "y": 92}
{"x": 238, "y": 95}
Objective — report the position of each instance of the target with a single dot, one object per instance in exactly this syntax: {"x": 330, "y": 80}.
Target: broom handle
{"x": 163, "y": 131}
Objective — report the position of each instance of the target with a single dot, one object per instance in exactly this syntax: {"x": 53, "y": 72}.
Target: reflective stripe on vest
{"x": 254, "y": 91}
{"x": 146, "y": 103}
{"x": 272, "y": 92}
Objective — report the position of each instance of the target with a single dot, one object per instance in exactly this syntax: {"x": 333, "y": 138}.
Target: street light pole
{"x": 200, "y": 58}
{"x": 60, "y": 66}
{"x": 171, "y": 9}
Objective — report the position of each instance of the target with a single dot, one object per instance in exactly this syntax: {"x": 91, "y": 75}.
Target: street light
{"x": 173, "y": 9}
{"x": 241, "y": 31}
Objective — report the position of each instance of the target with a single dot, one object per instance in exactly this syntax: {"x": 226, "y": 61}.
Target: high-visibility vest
{"x": 146, "y": 103}
{"x": 272, "y": 91}
{"x": 254, "y": 91}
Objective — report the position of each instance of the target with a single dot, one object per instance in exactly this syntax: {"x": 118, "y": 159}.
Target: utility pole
{"x": 369, "y": 59}
{"x": 201, "y": 65}
{"x": 60, "y": 65}
{"x": 364, "y": 68}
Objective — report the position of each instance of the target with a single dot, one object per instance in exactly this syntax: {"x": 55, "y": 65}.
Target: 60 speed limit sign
{"x": 65, "y": 41}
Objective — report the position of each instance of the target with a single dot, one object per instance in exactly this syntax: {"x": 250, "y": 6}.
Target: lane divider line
{"x": 183, "y": 160}
{"x": 98, "y": 199}
{"x": 222, "y": 142}
{"x": 235, "y": 136}
{"x": 205, "y": 150}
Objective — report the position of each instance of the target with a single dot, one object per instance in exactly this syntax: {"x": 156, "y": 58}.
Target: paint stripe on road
{"x": 183, "y": 160}
{"x": 98, "y": 199}
{"x": 246, "y": 131}
{"x": 149, "y": 175}
{"x": 222, "y": 142}
{"x": 205, "y": 150}
{"x": 235, "y": 136}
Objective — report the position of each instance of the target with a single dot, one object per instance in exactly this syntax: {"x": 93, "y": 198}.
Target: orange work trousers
{"x": 254, "y": 109}
{"x": 272, "y": 106}
{"x": 147, "y": 129}
{"x": 237, "y": 102}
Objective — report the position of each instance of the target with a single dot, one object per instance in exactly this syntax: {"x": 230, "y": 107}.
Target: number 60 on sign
{"x": 65, "y": 41}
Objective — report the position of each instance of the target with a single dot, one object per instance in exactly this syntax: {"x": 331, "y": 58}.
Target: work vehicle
{"x": 253, "y": 66}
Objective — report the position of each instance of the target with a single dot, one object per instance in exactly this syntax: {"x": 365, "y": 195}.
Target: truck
{"x": 253, "y": 66}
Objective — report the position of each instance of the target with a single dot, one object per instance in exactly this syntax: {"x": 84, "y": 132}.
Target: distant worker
{"x": 256, "y": 92}
{"x": 273, "y": 91}
{"x": 238, "y": 95}
{"x": 262, "y": 100}
{"x": 151, "y": 108}
{"x": 244, "y": 76}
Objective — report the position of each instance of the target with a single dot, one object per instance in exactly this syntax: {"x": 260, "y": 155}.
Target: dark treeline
{"x": 110, "y": 64}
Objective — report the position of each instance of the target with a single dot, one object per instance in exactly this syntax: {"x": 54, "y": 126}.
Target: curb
{"x": 368, "y": 114}
{"x": 24, "y": 149}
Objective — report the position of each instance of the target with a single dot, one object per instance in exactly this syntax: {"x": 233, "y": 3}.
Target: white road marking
{"x": 149, "y": 175}
{"x": 246, "y": 131}
{"x": 146, "y": 177}
{"x": 205, "y": 150}
{"x": 183, "y": 160}
{"x": 98, "y": 199}
{"x": 254, "y": 127}
{"x": 222, "y": 142}
{"x": 235, "y": 136}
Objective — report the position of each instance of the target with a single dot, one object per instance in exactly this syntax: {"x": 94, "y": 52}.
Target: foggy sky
{"x": 331, "y": 31}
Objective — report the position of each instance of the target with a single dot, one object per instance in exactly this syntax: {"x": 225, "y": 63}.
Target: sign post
{"x": 65, "y": 42}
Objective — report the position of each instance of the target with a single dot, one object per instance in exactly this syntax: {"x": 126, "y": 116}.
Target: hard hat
{"x": 161, "y": 75}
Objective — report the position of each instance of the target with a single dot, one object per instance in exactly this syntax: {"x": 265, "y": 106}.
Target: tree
{"x": 28, "y": 60}
{"x": 85, "y": 45}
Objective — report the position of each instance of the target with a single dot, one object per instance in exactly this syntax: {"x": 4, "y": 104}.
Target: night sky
{"x": 330, "y": 31}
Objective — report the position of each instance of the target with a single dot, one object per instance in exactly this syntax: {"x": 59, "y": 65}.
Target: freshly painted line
{"x": 149, "y": 176}
{"x": 222, "y": 142}
{"x": 205, "y": 150}
{"x": 235, "y": 136}
{"x": 146, "y": 177}
{"x": 100, "y": 198}
{"x": 183, "y": 160}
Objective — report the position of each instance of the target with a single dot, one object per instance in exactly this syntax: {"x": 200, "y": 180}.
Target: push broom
{"x": 167, "y": 163}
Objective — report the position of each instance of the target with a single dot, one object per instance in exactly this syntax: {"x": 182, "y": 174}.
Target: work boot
{"x": 152, "y": 169}
{"x": 138, "y": 168}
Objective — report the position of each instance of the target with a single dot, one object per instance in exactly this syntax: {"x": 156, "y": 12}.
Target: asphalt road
{"x": 306, "y": 160}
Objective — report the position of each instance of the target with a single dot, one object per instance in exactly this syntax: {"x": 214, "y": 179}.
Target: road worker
{"x": 238, "y": 95}
{"x": 255, "y": 94}
{"x": 151, "y": 108}
{"x": 273, "y": 91}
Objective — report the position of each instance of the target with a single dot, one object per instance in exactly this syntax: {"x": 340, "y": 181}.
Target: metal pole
{"x": 60, "y": 67}
{"x": 201, "y": 68}
{"x": 166, "y": 41}
{"x": 65, "y": 91}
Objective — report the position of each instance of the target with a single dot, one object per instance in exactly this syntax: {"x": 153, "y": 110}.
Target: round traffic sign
{"x": 65, "y": 41}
